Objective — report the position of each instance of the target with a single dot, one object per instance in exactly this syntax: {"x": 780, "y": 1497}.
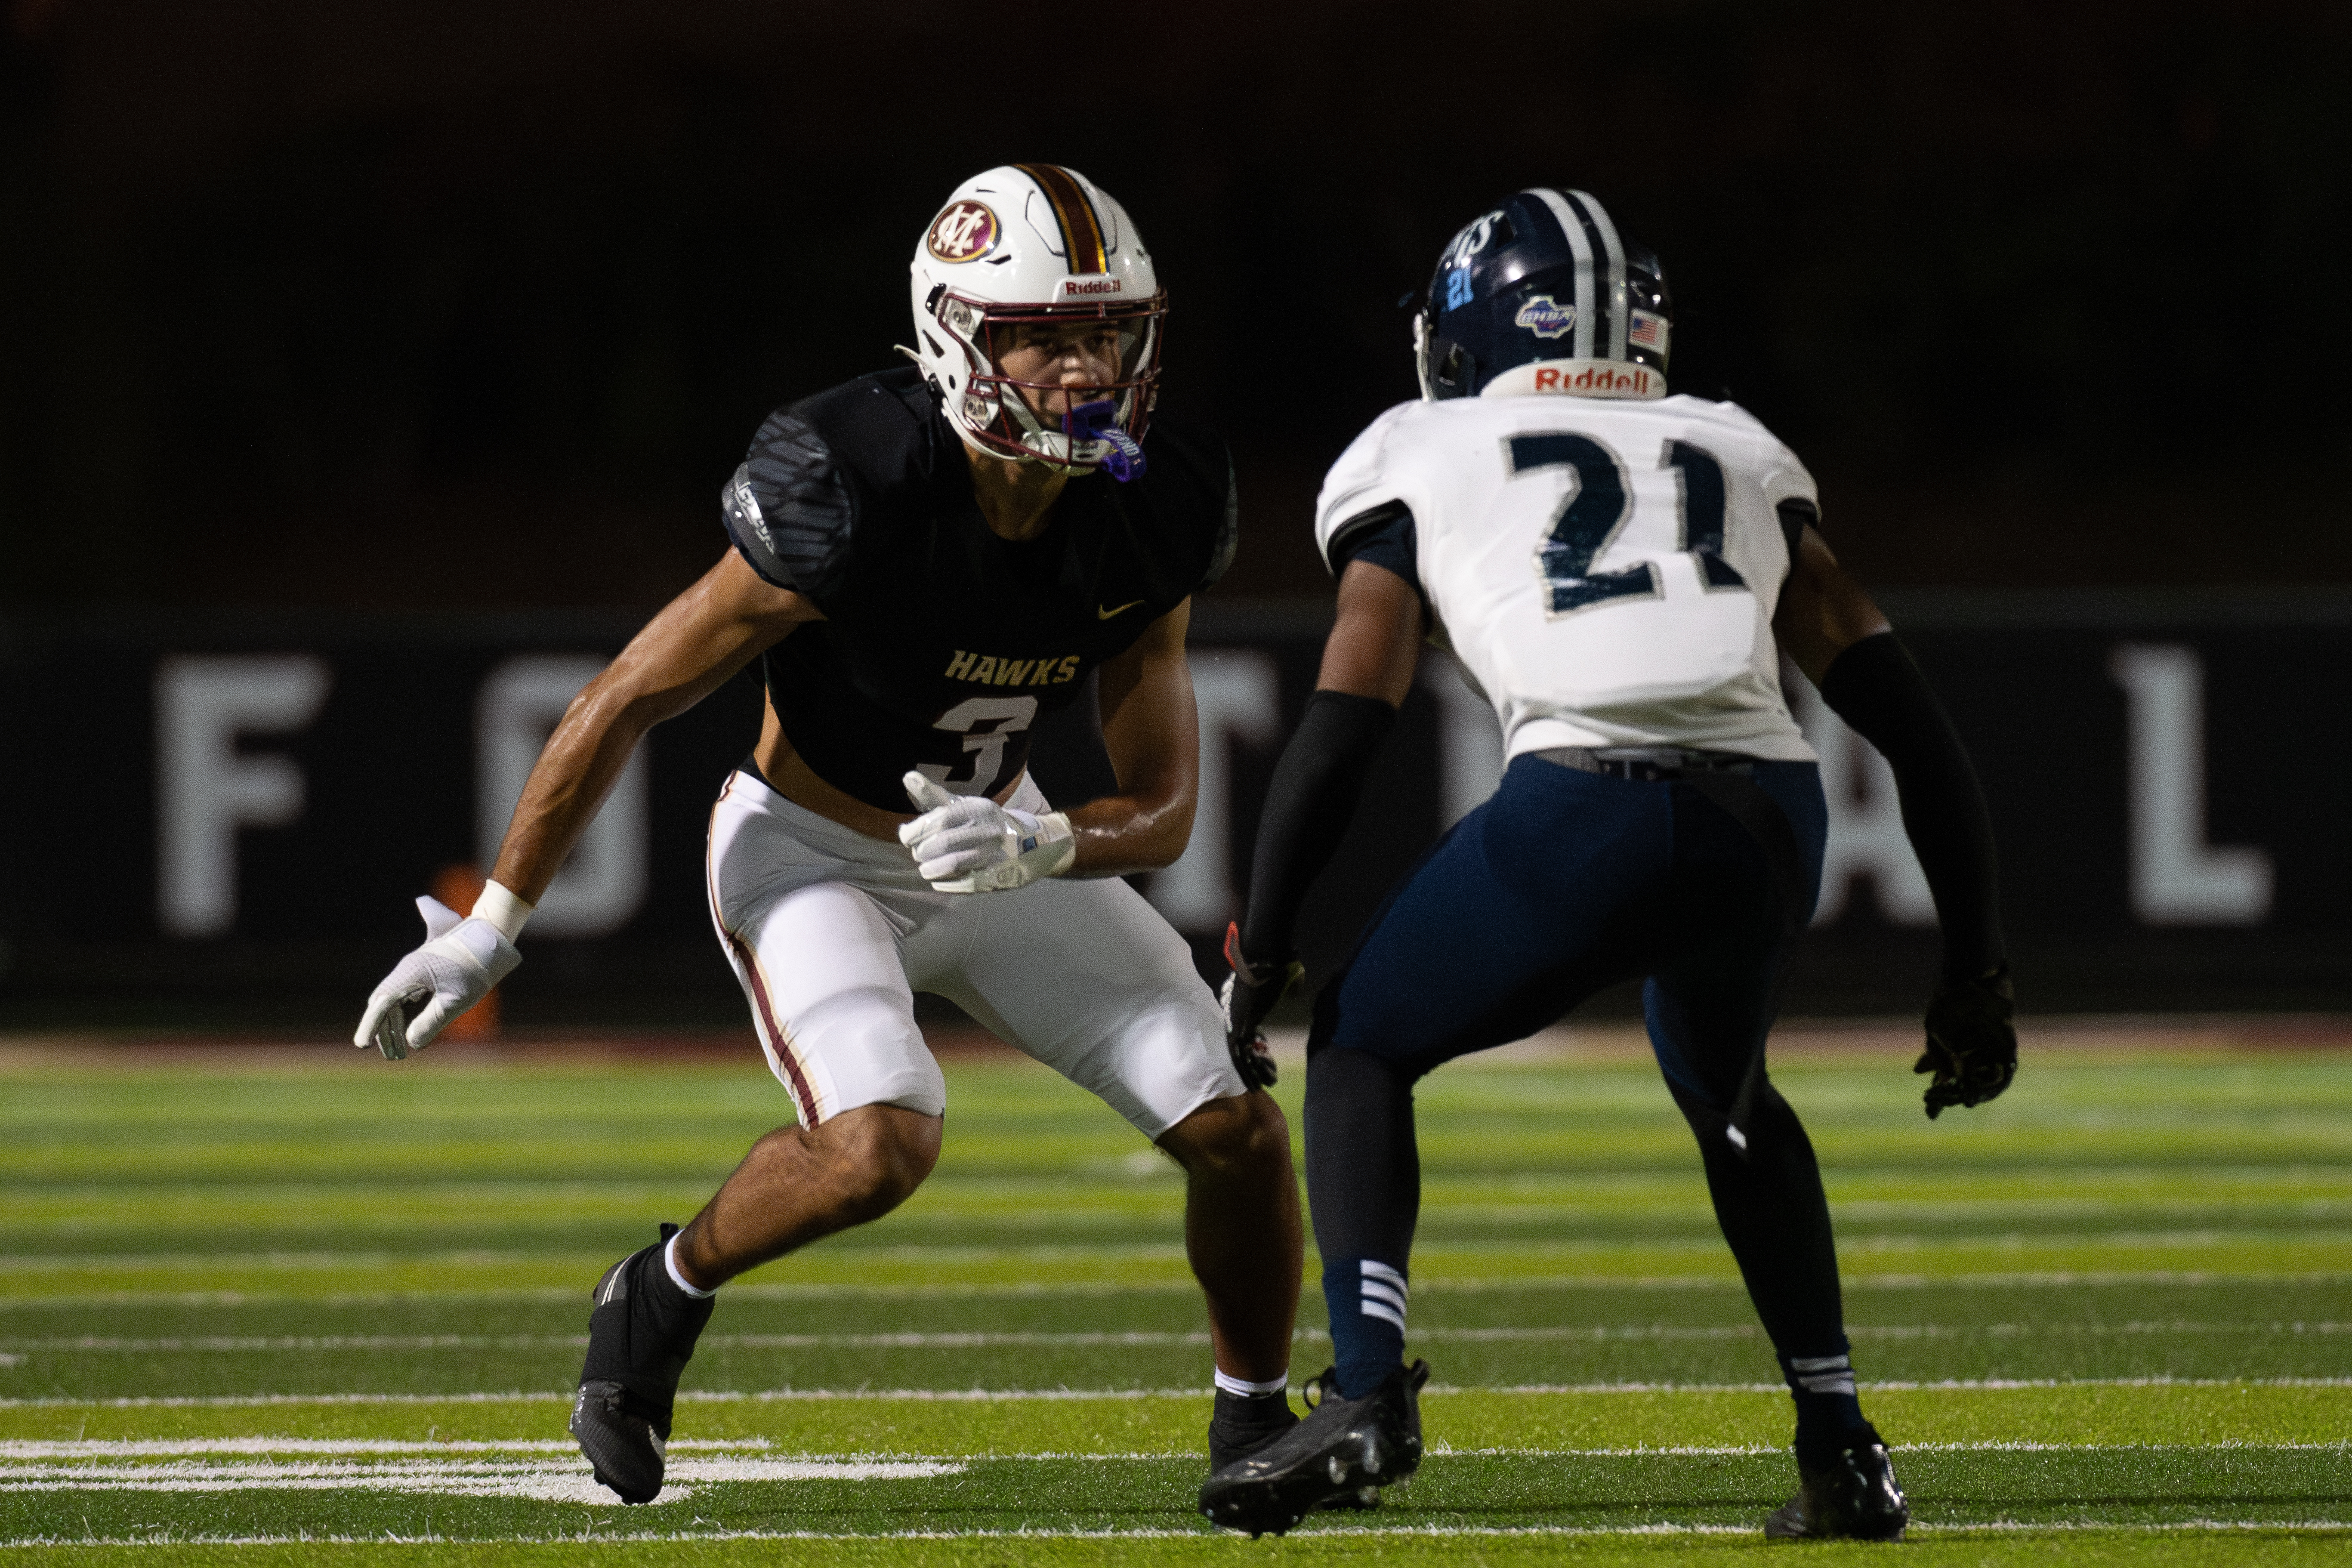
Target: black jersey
{"x": 943, "y": 641}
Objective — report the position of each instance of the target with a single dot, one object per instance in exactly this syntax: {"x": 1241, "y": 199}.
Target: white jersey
{"x": 1606, "y": 570}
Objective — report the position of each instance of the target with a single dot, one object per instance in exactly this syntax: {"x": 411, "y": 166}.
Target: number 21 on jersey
{"x": 1592, "y": 518}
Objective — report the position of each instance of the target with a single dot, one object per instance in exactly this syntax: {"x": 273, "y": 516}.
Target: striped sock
{"x": 1829, "y": 1416}
{"x": 1367, "y": 1301}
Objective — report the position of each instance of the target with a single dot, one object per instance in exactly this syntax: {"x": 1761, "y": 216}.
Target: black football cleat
{"x": 1242, "y": 1424}
{"x": 640, "y": 1337}
{"x": 1345, "y": 1448}
{"x": 1850, "y": 1497}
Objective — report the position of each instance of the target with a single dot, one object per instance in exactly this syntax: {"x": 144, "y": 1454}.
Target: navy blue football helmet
{"x": 1542, "y": 294}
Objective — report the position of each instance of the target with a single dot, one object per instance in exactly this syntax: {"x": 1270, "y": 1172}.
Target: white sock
{"x": 669, "y": 1261}
{"x": 1228, "y": 1384}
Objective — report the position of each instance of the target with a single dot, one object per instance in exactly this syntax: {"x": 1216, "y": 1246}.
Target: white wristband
{"x": 1059, "y": 841}
{"x": 500, "y": 907}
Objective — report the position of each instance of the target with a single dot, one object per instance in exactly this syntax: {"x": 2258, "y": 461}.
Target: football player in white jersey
{"x": 1620, "y": 571}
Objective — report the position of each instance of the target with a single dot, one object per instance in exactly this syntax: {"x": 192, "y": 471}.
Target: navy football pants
{"x": 1561, "y": 884}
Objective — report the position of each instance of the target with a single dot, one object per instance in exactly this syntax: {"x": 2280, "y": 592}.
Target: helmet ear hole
{"x": 1455, "y": 370}
{"x": 931, "y": 300}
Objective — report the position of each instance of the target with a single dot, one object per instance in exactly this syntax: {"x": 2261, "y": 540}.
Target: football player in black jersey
{"x": 927, "y": 559}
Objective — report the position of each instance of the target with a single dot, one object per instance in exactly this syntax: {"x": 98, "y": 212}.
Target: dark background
{"x": 430, "y": 305}
{"x": 430, "y": 309}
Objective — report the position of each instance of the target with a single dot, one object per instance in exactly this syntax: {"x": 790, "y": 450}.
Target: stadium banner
{"x": 217, "y": 818}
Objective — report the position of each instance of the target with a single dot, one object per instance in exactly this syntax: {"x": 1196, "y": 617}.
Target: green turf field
{"x": 255, "y": 1303}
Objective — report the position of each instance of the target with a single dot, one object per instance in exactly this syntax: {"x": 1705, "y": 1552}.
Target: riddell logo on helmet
{"x": 965, "y": 232}
{"x": 1081, "y": 288}
{"x": 1623, "y": 381}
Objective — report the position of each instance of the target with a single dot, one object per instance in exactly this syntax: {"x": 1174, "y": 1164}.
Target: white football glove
{"x": 462, "y": 958}
{"x": 969, "y": 844}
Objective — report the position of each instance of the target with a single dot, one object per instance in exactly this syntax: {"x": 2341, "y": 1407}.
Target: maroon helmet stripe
{"x": 1082, "y": 233}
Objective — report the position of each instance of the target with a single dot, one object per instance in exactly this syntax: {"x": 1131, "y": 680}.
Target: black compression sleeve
{"x": 1877, "y": 688}
{"x": 1315, "y": 790}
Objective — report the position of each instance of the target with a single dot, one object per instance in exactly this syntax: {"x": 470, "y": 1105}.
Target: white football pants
{"x": 832, "y": 932}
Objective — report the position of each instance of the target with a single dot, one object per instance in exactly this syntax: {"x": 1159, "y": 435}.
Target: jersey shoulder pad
{"x": 820, "y": 466}
{"x": 787, "y": 507}
{"x": 1360, "y": 480}
{"x": 1776, "y": 468}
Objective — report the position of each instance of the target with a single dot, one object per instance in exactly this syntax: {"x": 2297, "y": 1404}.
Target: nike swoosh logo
{"x": 1103, "y": 614}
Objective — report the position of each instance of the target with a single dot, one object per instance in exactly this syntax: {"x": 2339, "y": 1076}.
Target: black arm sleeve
{"x": 1308, "y": 808}
{"x": 1875, "y": 687}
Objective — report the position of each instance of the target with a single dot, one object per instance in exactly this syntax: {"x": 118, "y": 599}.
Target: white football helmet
{"x": 1036, "y": 244}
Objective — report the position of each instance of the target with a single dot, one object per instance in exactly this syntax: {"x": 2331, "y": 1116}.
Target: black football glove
{"x": 1250, "y": 993}
{"x": 1972, "y": 1044}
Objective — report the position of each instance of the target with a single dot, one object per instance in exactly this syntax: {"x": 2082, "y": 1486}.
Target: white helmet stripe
{"x": 1581, "y": 243}
{"x": 1612, "y": 287}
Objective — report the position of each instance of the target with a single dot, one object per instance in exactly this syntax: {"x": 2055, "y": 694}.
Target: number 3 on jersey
{"x": 985, "y": 723}
{"x": 1592, "y": 518}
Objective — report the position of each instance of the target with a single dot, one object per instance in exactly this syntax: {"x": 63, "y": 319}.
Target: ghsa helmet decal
{"x": 1544, "y": 317}
{"x": 966, "y": 231}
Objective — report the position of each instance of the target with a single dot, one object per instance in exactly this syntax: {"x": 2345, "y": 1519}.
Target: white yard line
{"x": 2040, "y": 1280}
{"x": 128, "y": 1448}
{"x": 1467, "y": 1532}
{"x": 1049, "y": 1395}
{"x": 1032, "y": 1290}
{"x": 915, "y": 1339}
{"x": 1977, "y": 1445}
{"x": 184, "y": 1447}
{"x": 21, "y": 1263}
{"x": 1995, "y": 1385}
{"x": 541, "y": 1480}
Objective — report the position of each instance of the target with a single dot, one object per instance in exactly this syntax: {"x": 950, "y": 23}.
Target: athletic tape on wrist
{"x": 1055, "y": 825}
{"x": 500, "y": 907}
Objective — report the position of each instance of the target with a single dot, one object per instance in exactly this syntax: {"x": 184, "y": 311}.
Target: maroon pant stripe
{"x": 803, "y": 1097}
